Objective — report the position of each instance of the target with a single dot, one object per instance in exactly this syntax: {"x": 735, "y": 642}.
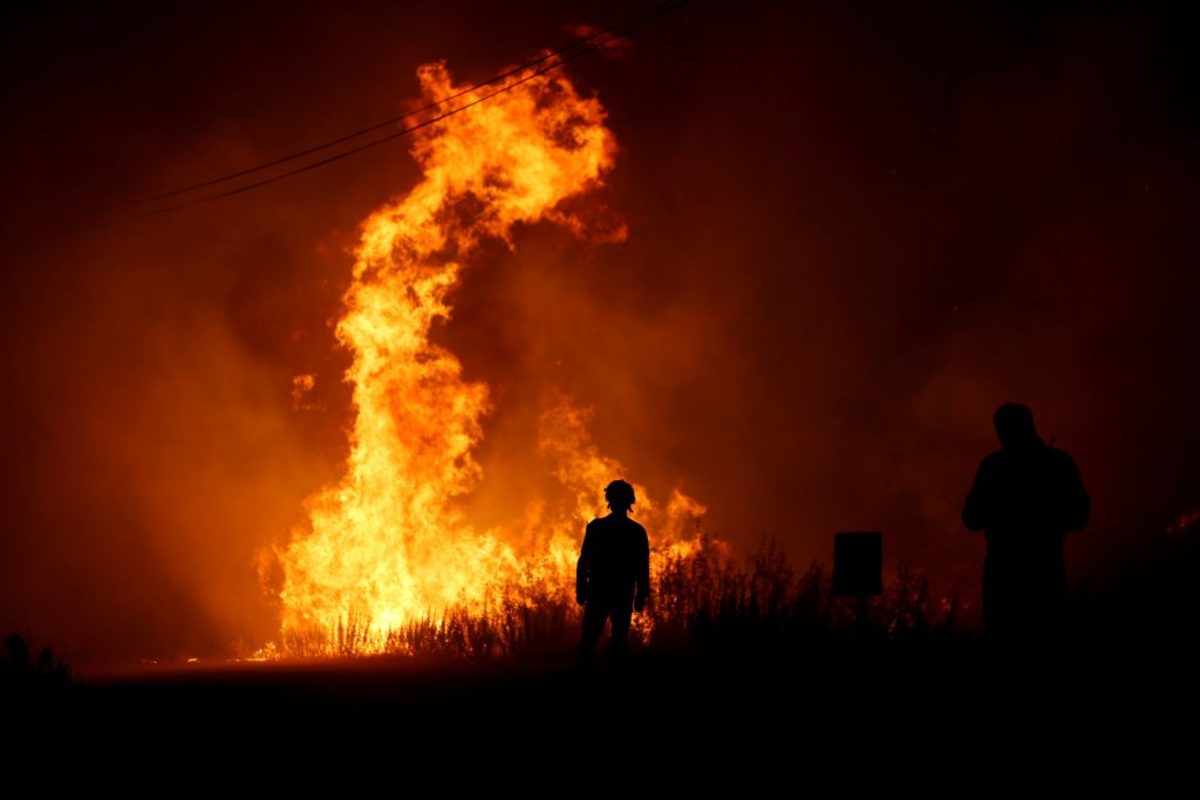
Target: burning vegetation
{"x": 387, "y": 550}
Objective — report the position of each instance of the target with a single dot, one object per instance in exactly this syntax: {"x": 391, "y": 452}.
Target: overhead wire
{"x": 557, "y": 58}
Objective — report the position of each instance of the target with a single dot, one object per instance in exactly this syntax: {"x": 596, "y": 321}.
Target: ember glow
{"x": 389, "y": 543}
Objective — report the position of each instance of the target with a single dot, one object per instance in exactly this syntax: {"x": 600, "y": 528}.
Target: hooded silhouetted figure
{"x": 612, "y": 577}
{"x": 1026, "y": 497}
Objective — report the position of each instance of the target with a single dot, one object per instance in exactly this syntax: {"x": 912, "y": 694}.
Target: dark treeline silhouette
{"x": 20, "y": 670}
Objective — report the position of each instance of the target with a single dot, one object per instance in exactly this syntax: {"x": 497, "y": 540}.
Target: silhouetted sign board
{"x": 858, "y": 563}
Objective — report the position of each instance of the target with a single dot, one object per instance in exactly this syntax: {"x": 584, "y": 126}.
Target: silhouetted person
{"x": 612, "y": 578}
{"x": 1026, "y": 497}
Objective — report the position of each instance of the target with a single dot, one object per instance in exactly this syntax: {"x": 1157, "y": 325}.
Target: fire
{"x": 389, "y": 544}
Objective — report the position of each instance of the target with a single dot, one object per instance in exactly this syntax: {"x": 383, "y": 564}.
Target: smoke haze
{"x": 851, "y": 235}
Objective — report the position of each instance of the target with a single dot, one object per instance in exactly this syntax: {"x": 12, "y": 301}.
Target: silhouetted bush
{"x": 21, "y": 671}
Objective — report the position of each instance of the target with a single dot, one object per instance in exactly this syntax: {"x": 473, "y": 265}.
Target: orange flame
{"x": 388, "y": 544}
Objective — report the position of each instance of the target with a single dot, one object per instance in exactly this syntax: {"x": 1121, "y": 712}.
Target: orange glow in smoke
{"x": 389, "y": 544}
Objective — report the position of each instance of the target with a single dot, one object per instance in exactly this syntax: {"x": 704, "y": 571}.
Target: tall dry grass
{"x": 706, "y": 599}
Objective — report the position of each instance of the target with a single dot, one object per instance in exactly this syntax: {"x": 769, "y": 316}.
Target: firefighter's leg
{"x": 620, "y": 631}
{"x": 594, "y": 617}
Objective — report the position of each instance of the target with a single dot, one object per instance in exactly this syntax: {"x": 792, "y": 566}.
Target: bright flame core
{"x": 388, "y": 544}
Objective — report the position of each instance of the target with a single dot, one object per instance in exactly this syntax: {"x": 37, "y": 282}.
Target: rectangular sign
{"x": 858, "y": 563}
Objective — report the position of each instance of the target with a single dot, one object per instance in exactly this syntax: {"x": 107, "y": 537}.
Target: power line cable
{"x": 584, "y": 44}
{"x": 359, "y": 148}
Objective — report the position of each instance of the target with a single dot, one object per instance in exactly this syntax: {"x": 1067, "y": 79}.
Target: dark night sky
{"x": 853, "y": 232}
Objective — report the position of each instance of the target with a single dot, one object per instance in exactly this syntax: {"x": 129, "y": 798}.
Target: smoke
{"x": 851, "y": 235}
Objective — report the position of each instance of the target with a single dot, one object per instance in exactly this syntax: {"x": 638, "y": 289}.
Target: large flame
{"x": 389, "y": 544}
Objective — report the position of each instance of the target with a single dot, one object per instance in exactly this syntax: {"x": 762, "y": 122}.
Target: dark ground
{"x": 764, "y": 697}
{"x": 854, "y": 715}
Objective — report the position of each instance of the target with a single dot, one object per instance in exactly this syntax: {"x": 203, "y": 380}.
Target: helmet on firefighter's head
{"x": 619, "y": 495}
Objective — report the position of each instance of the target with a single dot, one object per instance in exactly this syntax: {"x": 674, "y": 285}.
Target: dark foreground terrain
{"x": 756, "y": 681}
{"x": 853, "y": 715}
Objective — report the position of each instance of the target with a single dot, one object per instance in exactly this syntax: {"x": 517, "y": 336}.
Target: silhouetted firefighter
{"x": 612, "y": 578}
{"x": 1026, "y": 497}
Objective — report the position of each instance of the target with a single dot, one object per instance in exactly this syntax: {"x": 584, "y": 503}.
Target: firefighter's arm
{"x": 643, "y": 573}
{"x": 975, "y": 509}
{"x": 582, "y": 568}
{"x": 1079, "y": 504}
